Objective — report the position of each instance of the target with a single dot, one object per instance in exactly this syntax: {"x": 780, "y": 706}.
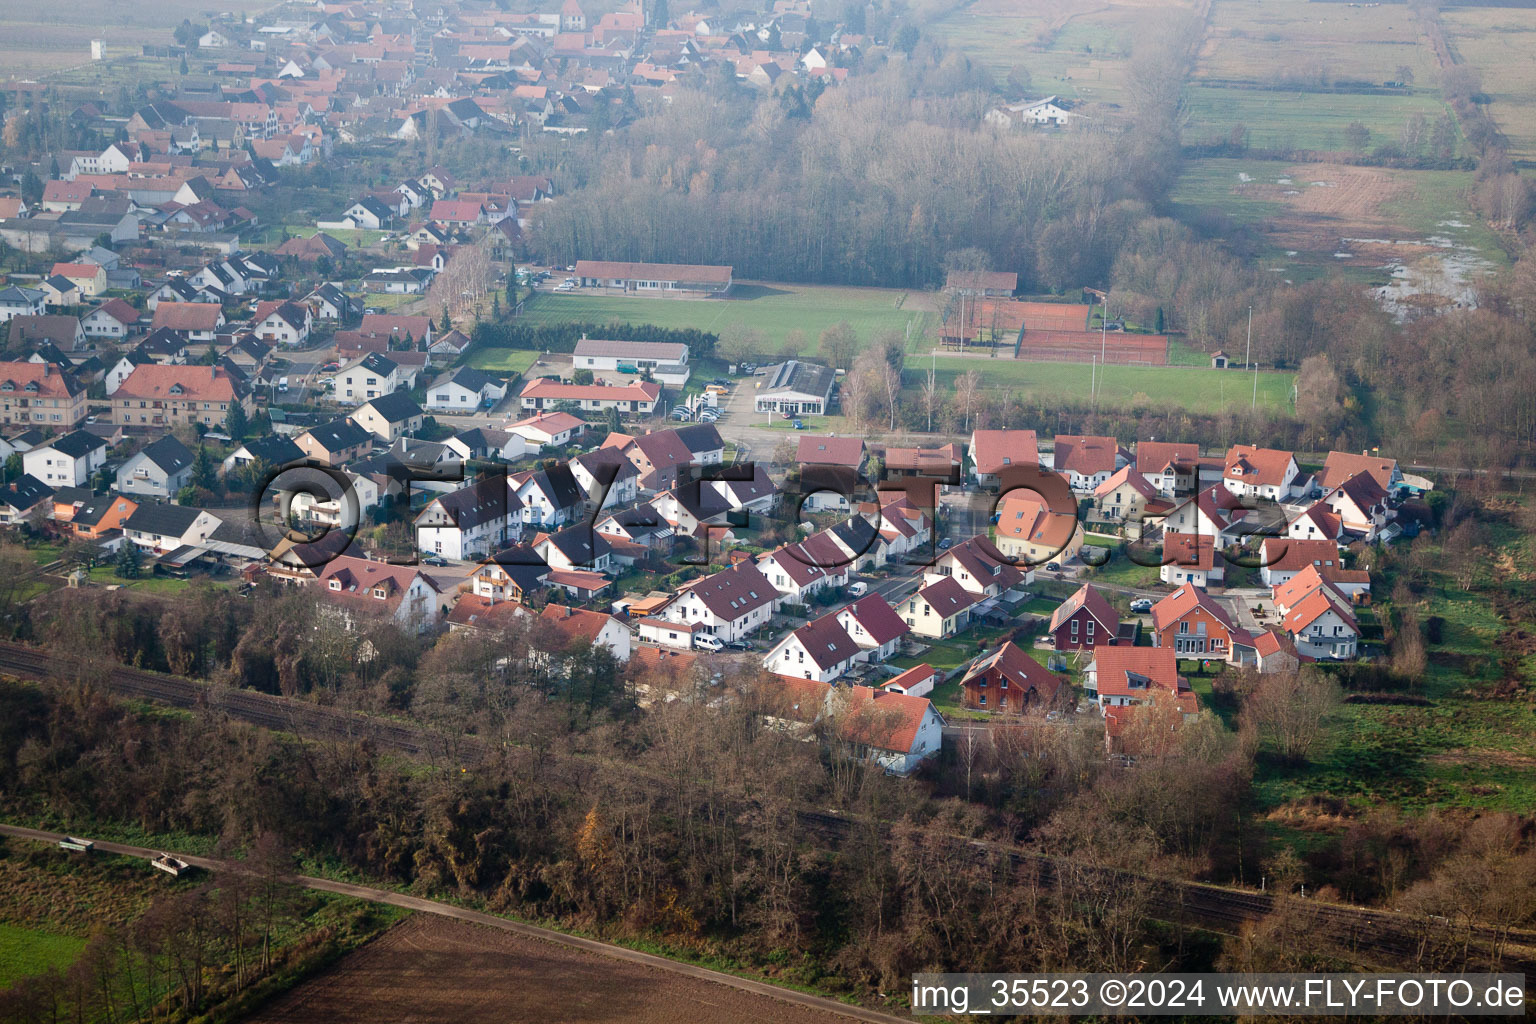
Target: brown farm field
{"x": 36, "y": 41}
{"x": 1501, "y": 44}
{"x": 1077, "y": 50}
{"x": 1264, "y": 41}
{"x": 431, "y": 969}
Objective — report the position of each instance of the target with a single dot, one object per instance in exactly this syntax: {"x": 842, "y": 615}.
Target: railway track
{"x": 1384, "y": 936}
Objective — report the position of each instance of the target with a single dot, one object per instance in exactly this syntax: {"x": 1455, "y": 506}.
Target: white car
{"x": 708, "y": 642}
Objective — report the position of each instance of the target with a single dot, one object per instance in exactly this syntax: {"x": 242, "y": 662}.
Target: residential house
{"x": 194, "y": 321}
{"x": 331, "y": 304}
{"x": 1191, "y": 624}
{"x": 162, "y": 529}
{"x": 1341, "y": 466}
{"x": 370, "y": 377}
{"x": 1084, "y": 621}
{"x": 1173, "y": 467}
{"x": 67, "y": 461}
{"x": 158, "y": 470}
{"x": 114, "y": 320}
{"x": 16, "y": 301}
{"x": 362, "y": 586}
{"x": 845, "y": 457}
{"x": 20, "y": 497}
{"x": 975, "y": 568}
{"x": 992, "y": 451}
{"x": 589, "y": 627}
{"x": 606, "y": 477}
{"x": 941, "y": 465}
{"x": 874, "y": 625}
{"x": 66, "y": 332}
{"x": 96, "y": 516}
{"x": 820, "y": 650}
{"x": 1361, "y": 506}
{"x": 156, "y": 397}
{"x": 1190, "y": 558}
{"x": 1280, "y": 558}
{"x": 639, "y": 397}
{"x": 1259, "y": 472}
{"x": 549, "y": 429}
{"x": 1009, "y": 680}
{"x": 274, "y": 450}
{"x": 1086, "y": 461}
{"x": 1321, "y": 623}
{"x": 731, "y": 604}
{"x": 550, "y": 498}
{"x": 1119, "y": 677}
{"x": 283, "y": 322}
{"x": 335, "y": 443}
{"x": 938, "y": 610}
{"x": 389, "y": 417}
{"x": 470, "y": 521}
{"x": 89, "y": 279}
{"x": 43, "y": 395}
{"x": 575, "y": 547}
{"x": 510, "y": 575}
{"x": 465, "y": 390}
{"x": 1030, "y": 534}
{"x": 1125, "y": 495}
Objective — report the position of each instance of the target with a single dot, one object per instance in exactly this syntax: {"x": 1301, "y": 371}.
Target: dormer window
{"x": 335, "y": 584}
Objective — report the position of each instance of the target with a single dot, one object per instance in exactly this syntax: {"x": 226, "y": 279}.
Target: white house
{"x": 874, "y": 626}
{"x": 67, "y": 461}
{"x": 1322, "y": 624}
{"x": 160, "y": 529}
{"x": 1259, "y": 472}
{"x": 465, "y": 390}
{"x": 821, "y": 650}
{"x": 474, "y": 520}
{"x": 732, "y": 604}
{"x": 372, "y": 376}
{"x": 284, "y": 322}
{"x": 549, "y": 429}
{"x": 362, "y": 586}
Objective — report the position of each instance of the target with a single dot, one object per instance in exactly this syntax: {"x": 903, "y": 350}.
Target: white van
{"x": 858, "y": 589}
{"x": 708, "y": 642}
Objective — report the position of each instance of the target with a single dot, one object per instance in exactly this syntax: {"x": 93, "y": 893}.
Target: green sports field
{"x": 1198, "y": 389}
{"x": 773, "y": 309}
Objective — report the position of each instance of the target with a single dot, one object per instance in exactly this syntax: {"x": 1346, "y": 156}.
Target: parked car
{"x": 738, "y": 645}
{"x": 681, "y": 414}
{"x": 330, "y": 367}
{"x": 724, "y": 382}
{"x": 1053, "y": 566}
{"x": 858, "y": 588}
{"x": 944, "y": 544}
{"x": 708, "y": 642}
{"x": 1141, "y": 604}
{"x": 436, "y": 561}
{"x": 488, "y": 404}
{"x": 710, "y": 415}
{"x": 798, "y": 425}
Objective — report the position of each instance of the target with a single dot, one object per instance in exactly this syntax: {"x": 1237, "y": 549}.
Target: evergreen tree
{"x": 236, "y": 423}
{"x": 130, "y": 564}
{"x": 205, "y": 472}
{"x": 446, "y": 324}
{"x": 13, "y": 466}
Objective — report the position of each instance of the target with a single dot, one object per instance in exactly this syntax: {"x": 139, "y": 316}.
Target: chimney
{"x": 47, "y": 369}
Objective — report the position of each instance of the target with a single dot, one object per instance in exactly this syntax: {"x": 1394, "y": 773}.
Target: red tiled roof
{"x": 550, "y": 391}
{"x": 1285, "y": 554}
{"x": 187, "y": 316}
{"x": 1085, "y": 454}
{"x": 196, "y": 383}
{"x": 51, "y": 381}
{"x": 883, "y": 719}
{"x": 1340, "y": 466}
{"x": 991, "y": 450}
{"x": 1189, "y": 551}
{"x": 1156, "y": 456}
{"x": 1159, "y": 665}
{"x": 1262, "y": 466}
{"x": 831, "y": 451}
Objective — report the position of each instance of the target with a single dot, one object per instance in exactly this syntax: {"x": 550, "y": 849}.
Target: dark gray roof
{"x": 25, "y": 492}
{"x": 396, "y": 407}
{"x": 274, "y": 449}
{"x": 168, "y": 453}
{"x": 77, "y": 444}
{"x": 802, "y": 378}
{"x": 487, "y": 499}
{"x": 338, "y": 434}
{"x": 168, "y": 520}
